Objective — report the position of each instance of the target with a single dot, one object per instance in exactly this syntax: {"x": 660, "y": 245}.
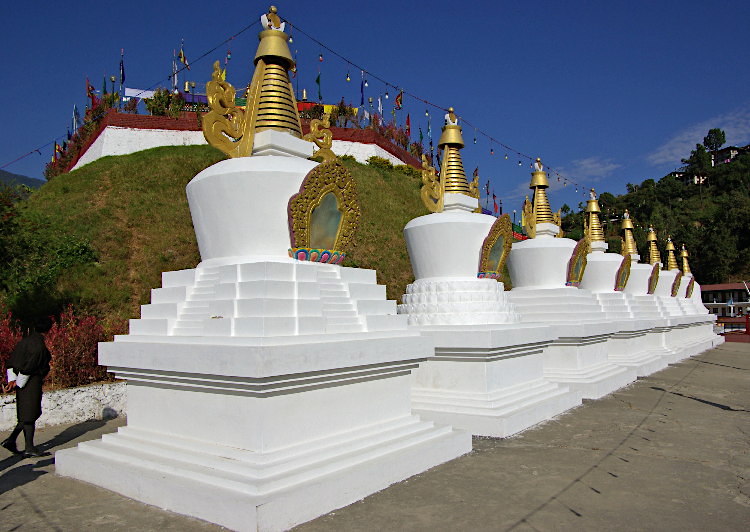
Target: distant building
{"x": 726, "y": 299}
{"x": 726, "y": 155}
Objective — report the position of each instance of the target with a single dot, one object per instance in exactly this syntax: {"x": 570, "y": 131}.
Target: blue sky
{"x": 605, "y": 92}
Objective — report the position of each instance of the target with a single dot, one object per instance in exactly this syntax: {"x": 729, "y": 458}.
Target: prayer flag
{"x": 476, "y": 172}
{"x": 380, "y": 106}
{"x": 183, "y": 59}
{"x": 76, "y": 118}
{"x": 398, "y": 104}
{"x": 408, "y": 126}
{"x": 320, "y": 94}
{"x": 421, "y": 138}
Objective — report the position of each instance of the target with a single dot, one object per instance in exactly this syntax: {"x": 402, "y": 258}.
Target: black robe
{"x": 30, "y": 357}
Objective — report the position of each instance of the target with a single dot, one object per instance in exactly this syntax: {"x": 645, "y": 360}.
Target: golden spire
{"x": 628, "y": 242}
{"x": 685, "y": 265}
{"x": 653, "y": 251}
{"x": 270, "y": 99}
{"x": 538, "y": 210}
{"x": 671, "y": 260}
{"x": 593, "y": 225}
{"x": 452, "y": 167}
{"x": 539, "y": 182}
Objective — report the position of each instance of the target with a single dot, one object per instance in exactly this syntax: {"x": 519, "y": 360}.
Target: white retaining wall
{"x": 73, "y": 405}
{"x": 118, "y": 140}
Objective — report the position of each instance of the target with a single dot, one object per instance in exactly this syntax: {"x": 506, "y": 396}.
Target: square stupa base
{"x": 578, "y": 358}
{"x": 489, "y": 380}
{"x": 260, "y": 448}
{"x": 629, "y": 347}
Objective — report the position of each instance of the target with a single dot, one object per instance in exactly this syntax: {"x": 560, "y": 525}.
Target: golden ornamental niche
{"x": 623, "y": 274}
{"x": 653, "y": 280}
{"x": 676, "y": 284}
{"x": 577, "y": 263}
{"x": 323, "y": 215}
{"x": 690, "y": 287}
{"x": 496, "y": 248}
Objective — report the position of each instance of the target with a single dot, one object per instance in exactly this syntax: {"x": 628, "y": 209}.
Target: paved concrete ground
{"x": 670, "y": 452}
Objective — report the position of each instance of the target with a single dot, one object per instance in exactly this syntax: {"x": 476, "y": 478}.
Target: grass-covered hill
{"x": 103, "y": 234}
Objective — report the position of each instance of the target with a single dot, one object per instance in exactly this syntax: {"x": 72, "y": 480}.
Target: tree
{"x": 714, "y": 140}
{"x": 699, "y": 161}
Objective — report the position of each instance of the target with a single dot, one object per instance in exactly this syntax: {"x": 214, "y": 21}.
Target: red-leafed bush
{"x": 73, "y": 342}
{"x": 10, "y": 334}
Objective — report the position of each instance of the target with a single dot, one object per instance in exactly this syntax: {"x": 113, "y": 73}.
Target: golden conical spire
{"x": 270, "y": 99}
{"x": 653, "y": 251}
{"x": 593, "y": 226}
{"x": 685, "y": 265}
{"x": 452, "y": 167}
{"x": 270, "y": 94}
{"x": 539, "y": 182}
{"x": 671, "y": 260}
{"x": 628, "y": 242}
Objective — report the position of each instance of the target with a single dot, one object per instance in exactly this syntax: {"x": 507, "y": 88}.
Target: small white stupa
{"x": 546, "y": 271}
{"x": 268, "y": 385}
{"x": 487, "y": 373}
{"x": 606, "y": 276}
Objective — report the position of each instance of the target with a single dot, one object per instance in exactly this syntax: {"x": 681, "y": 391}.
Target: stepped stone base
{"x": 490, "y": 380}
{"x": 263, "y": 394}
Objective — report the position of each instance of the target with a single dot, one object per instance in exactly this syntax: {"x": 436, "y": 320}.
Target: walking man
{"x": 27, "y": 366}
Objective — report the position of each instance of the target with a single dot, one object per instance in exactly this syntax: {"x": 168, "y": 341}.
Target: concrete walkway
{"x": 670, "y": 452}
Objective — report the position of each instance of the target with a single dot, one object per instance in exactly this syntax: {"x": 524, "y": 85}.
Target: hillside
{"x": 17, "y": 179}
{"x": 133, "y": 213}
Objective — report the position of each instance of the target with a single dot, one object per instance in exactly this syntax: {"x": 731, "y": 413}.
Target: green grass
{"x": 134, "y": 212}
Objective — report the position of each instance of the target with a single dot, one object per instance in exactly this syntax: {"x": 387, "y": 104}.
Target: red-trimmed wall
{"x": 188, "y": 121}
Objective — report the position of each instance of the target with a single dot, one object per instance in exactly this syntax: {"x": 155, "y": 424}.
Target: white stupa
{"x": 264, "y": 390}
{"x": 545, "y": 271}
{"x": 487, "y": 373}
{"x": 606, "y": 276}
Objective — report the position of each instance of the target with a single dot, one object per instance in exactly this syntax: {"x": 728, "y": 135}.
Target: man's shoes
{"x": 34, "y": 453}
{"x": 10, "y": 445}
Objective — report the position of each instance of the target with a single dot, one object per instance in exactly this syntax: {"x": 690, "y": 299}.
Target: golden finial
{"x": 628, "y": 242}
{"x": 593, "y": 226}
{"x": 654, "y": 256}
{"x": 685, "y": 265}
{"x": 671, "y": 260}
{"x": 452, "y": 172}
{"x": 270, "y": 99}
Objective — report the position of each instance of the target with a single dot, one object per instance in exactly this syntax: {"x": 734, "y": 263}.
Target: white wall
{"x": 117, "y": 140}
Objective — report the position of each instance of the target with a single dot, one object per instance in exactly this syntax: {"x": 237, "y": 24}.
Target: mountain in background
{"x": 11, "y": 179}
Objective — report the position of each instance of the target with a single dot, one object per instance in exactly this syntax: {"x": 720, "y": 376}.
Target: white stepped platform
{"x": 264, "y": 394}
{"x": 616, "y": 305}
{"x": 629, "y": 347}
{"x": 578, "y": 357}
{"x": 489, "y": 380}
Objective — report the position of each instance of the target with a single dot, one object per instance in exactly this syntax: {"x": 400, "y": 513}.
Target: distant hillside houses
{"x": 719, "y": 157}
{"x": 123, "y": 133}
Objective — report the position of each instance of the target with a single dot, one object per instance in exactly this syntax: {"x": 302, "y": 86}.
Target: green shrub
{"x": 380, "y": 162}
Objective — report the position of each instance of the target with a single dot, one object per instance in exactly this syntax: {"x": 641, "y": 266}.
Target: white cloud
{"x": 736, "y": 125}
{"x": 581, "y": 171}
